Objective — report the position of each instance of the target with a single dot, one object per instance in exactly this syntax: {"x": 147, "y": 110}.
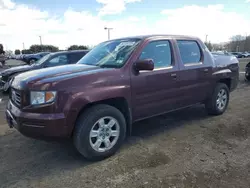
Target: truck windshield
{"x": 110, "y": 54}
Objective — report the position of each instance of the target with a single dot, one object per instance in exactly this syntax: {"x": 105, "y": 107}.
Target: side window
{"x": 160, "y": 52}
{"x": 75, "y": 57}
{"x": 58, "y": 60}
{"x": 190, "y": 51}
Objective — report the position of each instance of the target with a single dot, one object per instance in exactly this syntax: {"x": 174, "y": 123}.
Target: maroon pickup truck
{"x": 96, "y": 101}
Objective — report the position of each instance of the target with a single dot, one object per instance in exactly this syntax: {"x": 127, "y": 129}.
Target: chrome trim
{"x": 12, "y": 118}
{"x": 34, "y": 126}
{"x": 158, "y": 69}
{"x": 164, "y": 68}
{"x": 16, "y": 97}
{"x": 222, "y": 71}
{"x": 192, "y": 64}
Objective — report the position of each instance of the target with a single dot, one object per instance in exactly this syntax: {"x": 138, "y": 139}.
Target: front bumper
{"x": 39, "y": 126}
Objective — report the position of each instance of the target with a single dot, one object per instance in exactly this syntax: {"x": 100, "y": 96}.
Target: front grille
{"x": 16, "y": 97}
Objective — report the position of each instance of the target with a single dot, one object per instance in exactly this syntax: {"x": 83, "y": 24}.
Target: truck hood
{"x": 53, "y": 74}
{"x": 222, "y": 60}
{"x": 15, "y": 70}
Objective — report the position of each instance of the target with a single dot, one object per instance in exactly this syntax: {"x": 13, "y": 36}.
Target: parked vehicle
{"x": 222, "y": 53}
{"x": 31, "y": 58}
{"x": 49, "y": 60}
{"x": 237, "y": 54}
{"x": 246, "y": 54}
{"x": 247, "y": 72}
{"x": 96, "y": 101}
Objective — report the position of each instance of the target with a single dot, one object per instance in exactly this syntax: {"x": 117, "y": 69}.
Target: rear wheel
{"x": 218, "y": 102}
{"x": 99, "y": 132}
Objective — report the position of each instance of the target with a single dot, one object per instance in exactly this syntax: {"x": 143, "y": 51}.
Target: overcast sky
{"x": 66, "y": 22}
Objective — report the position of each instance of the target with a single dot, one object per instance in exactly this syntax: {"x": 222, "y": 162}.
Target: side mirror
{"x": 146, "y": 64}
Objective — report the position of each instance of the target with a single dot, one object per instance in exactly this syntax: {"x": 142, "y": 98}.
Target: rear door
{"x": 195, "y": 72}
{"x": 157, "y": 91}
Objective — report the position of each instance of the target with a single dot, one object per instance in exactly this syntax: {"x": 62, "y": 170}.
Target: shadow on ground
{"x": 36, "y": 158}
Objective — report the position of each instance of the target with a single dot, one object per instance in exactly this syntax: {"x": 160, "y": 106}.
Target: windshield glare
{"x": 42, "y": 60}
{"x": 110, "y": 54}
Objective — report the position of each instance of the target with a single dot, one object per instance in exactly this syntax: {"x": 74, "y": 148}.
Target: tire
{"x": 87, "y": 122}
{"x": 212, "y": 105}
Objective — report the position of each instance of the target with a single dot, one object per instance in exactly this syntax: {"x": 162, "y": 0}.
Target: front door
{"x": 154, "y": 92}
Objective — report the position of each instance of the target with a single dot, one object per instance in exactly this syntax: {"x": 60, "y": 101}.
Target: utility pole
{"x": 40, "y": 40}
{"x": 108, "y": 28}
{"x": 206, "y": 38}
{"x": 245, "y": 43}
{"x": 23, "y": 46}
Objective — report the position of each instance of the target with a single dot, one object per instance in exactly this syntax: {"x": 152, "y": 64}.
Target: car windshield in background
{"x": 110, "y": 54}
{"x": 42, "y": 60}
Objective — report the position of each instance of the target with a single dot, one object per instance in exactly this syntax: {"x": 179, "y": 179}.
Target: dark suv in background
{"x": 49, "y": 60}
{"x": 31, "y": 58}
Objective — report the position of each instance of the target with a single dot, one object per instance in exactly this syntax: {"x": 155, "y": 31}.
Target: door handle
{"x": 174, "y": 75}
{"x": 205, "y": 70}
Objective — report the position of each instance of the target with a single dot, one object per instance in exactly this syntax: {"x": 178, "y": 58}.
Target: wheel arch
{"x": 120, "y": 103}
{"x": 227, "y": 81}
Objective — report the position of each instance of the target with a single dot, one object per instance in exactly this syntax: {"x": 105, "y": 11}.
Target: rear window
{"x": 190, "y": 51}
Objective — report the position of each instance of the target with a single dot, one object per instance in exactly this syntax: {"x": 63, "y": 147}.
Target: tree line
{"x": 236, "y": 43}
{"x": 47, "y": 48}
{"x": 239, "y": 43}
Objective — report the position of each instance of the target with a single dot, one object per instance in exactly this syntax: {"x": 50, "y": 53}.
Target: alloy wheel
{"x": 104, "y": 134}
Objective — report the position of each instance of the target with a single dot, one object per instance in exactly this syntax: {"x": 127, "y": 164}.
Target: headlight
{"x": 42, "y": 97}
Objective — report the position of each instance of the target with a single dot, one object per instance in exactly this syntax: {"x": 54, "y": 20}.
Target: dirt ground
{"x": 187, "y": 148}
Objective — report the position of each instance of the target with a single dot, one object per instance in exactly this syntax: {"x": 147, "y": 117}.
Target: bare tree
{"x": 239, "y": 43}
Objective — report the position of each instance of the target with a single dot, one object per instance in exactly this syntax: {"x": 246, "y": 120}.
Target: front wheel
{"x": 99, "y": 132}
{"x": 218, "y": 102}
